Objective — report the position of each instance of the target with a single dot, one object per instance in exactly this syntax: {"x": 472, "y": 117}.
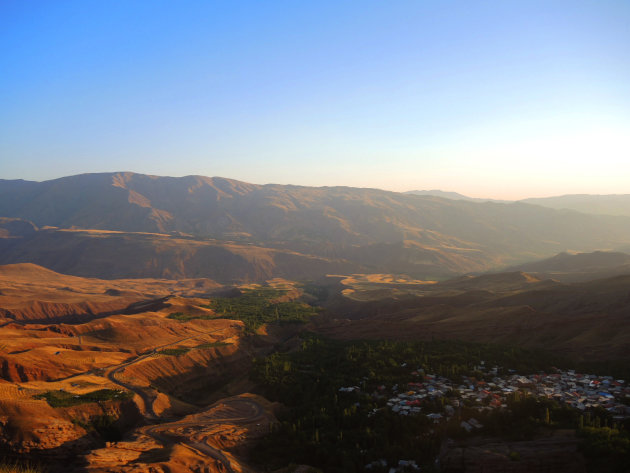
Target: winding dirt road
{"x": 147, "y": 401}
{"x": 248, "y": 411}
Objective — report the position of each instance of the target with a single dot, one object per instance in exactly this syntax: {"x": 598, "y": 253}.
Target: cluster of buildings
{"x": 580, "y": 391}
{"x": 435, "y": 393}
{"x": 403, "y": 466}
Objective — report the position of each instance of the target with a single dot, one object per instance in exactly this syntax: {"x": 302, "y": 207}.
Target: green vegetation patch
{"x": 256, "y": 307}
{"x": 66, "y": 399}
{"x": 344, "y": 431}
{"x": 20, "y": 468}
{"x": 607, "y": 450}
{"x": 107, "y": 426}
{"x": 213, "y": 345}
{"x": 174, "y": 351}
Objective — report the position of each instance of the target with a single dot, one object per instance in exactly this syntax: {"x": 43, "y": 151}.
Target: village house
{"x": 580, "y": 391}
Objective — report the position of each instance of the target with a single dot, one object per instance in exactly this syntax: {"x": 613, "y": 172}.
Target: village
{"x": 584, "y": 392}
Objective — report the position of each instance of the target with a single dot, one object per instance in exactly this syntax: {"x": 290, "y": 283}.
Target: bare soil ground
{"x": 74, "y": 336}
{"x": 210, "y": 440}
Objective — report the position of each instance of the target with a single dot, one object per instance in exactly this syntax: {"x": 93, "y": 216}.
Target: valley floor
{"x": 152, "y": 376}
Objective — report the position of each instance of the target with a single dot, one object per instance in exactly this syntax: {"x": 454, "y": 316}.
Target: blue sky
{"x": 495, "y": 99}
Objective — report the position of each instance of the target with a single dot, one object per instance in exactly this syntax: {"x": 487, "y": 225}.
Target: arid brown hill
{"x": 381, "y": 231}
{"x": 113, "y": 255}
{"x": 33, "y": 294}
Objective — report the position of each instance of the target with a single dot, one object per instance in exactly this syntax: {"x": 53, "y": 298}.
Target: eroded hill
{"x": 84, "y": 361}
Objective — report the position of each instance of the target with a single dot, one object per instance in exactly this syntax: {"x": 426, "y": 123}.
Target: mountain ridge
{"x": 455, "y": 196}
{"x": 598, "y": 204}
{"x": 372, "y": 229}
{"x": 602, "y": 204}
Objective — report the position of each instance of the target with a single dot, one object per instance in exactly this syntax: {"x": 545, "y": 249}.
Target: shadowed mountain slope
{"x": 574, "y": 267}
{"x": 586, "y": 321}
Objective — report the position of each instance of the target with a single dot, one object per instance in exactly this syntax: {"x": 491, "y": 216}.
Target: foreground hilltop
{"x": 350, "y": 229}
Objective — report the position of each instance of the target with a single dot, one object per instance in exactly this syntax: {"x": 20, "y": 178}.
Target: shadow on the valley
{"x": 77, "y": 318}
{"x": 228, "y": 374}
{"x": 155, "y": 455}
{"x": 61, "y": 459}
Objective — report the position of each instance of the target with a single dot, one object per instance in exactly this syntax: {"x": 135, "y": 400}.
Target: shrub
{"x": 66, "y": 399}
{"x": 174, "y": 351}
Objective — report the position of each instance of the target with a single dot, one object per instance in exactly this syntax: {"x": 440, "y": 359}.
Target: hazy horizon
{"x": 446, "y": 191}
{"x": 489, "y": 100}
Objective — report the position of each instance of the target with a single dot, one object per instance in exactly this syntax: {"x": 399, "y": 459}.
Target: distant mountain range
{"x": 610, "y": 204}
{"x": 593, "y": 204}
{"x": 455, "y": 196}
{"x": 194, "y": 226}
